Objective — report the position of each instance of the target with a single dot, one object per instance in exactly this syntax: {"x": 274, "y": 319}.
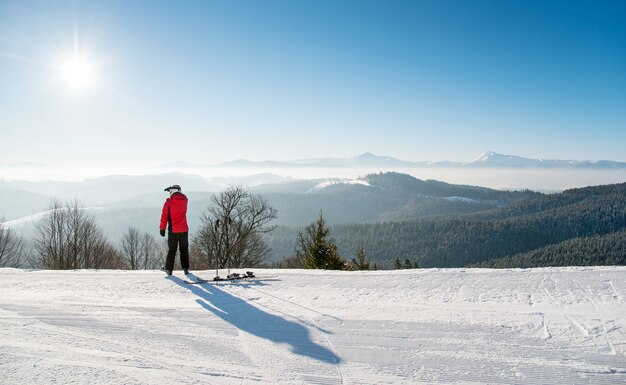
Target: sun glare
{"x": 77, "y": 72}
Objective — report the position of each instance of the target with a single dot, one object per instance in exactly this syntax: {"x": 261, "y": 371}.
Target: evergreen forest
{"x": 583, "y": 226}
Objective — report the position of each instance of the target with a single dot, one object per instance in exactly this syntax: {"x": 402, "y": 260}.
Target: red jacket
{"x": 174, "y": 213}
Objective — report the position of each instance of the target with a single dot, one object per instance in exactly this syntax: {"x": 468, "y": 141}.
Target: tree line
{"x": 68, "y": 237}
{"x": 232, "y": 234}
{"x": 236, "y": 230}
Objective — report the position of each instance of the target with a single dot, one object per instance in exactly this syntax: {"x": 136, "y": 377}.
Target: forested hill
{"x": 383, "y": 197}
{"x": 606, "y": 197}
{"x": 607, "y": 249}
{"x": 406, "y": 185}
{"x": 523, "y": 227}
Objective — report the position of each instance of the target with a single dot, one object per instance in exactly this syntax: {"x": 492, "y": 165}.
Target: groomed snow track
{"x": 464, "y": 326}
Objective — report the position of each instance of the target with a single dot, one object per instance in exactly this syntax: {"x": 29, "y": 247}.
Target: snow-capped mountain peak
{"x": 493, "y": 159}
{"x": 484, "y": 157}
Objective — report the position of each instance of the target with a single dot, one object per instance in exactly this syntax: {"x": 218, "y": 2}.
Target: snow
{"x": 31, "y": 219}
{"x": 461, "y": 199}
{"x": 439, "y": 326}
{"x": 333, "y": 182}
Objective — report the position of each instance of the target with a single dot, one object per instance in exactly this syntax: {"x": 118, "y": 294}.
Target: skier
{"x": 174, "y": 215}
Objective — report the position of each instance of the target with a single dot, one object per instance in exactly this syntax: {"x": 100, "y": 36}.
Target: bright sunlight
{"x": 77, "y": 72}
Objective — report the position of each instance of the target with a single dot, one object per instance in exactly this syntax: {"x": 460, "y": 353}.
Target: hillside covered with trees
{"x": 533, "y": 224}
{"x": 392, "y": 219}
{"x": 608, "y": 249}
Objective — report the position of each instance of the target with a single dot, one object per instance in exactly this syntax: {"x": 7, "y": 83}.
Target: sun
{"x": 77, "y": 72}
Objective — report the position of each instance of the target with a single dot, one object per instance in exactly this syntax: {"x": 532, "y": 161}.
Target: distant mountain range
{"x": 492, "y": 159}
{"x": 487, "y": 159}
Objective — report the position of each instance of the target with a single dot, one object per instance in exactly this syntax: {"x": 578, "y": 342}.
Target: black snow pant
{"x": 177, "y": 241}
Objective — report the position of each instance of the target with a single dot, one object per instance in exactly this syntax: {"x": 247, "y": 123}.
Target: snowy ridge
{"x": 443, "y": 326}
{"x": 461, "y": 199}
{"x": 492, "y": 159}
{"x": 334, "y": 182}
{"x": 30, "y": 219}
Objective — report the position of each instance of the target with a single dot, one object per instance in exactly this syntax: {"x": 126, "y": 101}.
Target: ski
{"x": 196, "y": 282}
{"x": 230, "y": 277}
{"x": 225, "y": 280}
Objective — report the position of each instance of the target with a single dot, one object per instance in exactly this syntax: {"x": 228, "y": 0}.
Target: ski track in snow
{"x": 440, "y": 326}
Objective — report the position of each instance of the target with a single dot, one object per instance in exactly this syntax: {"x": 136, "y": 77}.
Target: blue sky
{"x": 211, "y": 81}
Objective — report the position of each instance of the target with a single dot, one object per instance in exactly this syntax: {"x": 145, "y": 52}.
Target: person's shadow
{"x": 253, "y": 320}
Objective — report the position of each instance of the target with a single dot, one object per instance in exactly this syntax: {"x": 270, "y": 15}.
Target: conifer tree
{"x": 361, "y": 261}
{"x": 319, "y": 250}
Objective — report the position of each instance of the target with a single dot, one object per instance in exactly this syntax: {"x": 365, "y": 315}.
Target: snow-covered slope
{"x": 492, "y": 159}
{"x": 539, "y": 326}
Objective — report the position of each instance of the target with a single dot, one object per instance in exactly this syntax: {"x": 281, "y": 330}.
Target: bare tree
{"x": 131, "y": 244}
{"x": 50, "y": 239}
{"x": 108, "y": 257}
{"x": 11, "y": 247}
{"x": 141, "y": 251}
{"x": 81, "y": 235}
{"x": 232, "y": 229}
{"x": 203, "y": 247}
{"x": 68, "y": 237}
{"x": 296, "y": 261}
{"x": 150, "y": 253}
